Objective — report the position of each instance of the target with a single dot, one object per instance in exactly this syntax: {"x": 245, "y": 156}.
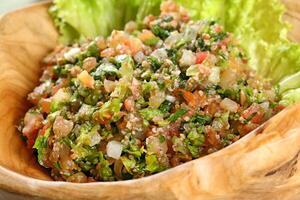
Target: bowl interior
{"x": 26, "y": 36}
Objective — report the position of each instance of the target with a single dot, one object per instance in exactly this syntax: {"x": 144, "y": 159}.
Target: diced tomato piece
{"x": 170, "y": 147}
{"x": 136, "y": 89}
{"x": 258, "y": 118}
{"x": 188, "y": 96}
{"x": 43, "y": 130}
{"x": 250, "y": 111}
{"x": 224, "y": 42}
{"x": 185, "y": 17}
{"x": 212, "y": 137}
{"x": 121, "y": 39}
{"x": 108, "y": 52}
{"x": 60, "y": 85}
{"x": 174, "y": 129}
{"x": 39, "y": 92}
{"x": 200, "y": 57}
{"x": 89, "y": 63}
{"x": 206, "y": 36}
{"x": 192, "y": 99}
{"x": 147, "y": 20}
{"x": 279, "y": 108}
{"x": 104, "y": 119}
{"x": 62, "y": 127}
{"x": 212, "y": 108}
{"x": 218, "y": 28}
{"x": 146, "y": 35}
{"x": 175, "y": 160}
{"x": 247, "y": 128}
{"x": 86, "y": 79}
{"x": 200, "y": 99}
{"x": 148, "y": 132}
{"x": 33, "y": 98}
{"x": 101, "y": 42}
{"x": 122, "y": 124}
{"x": 45, "y": 105}
{"x": 169, "y": 6}
{"x": 32, "y": 124}
{"x": 135, "y": 45}
{"x": 55, "y": 88}
{"x": 129, "y": 104}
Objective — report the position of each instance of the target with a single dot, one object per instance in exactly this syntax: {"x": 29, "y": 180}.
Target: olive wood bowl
{"x": 261, "y": 166}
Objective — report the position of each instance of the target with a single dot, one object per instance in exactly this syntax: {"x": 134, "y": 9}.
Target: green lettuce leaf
{"x": 290, "y": 82}
{"x": 78, "y": 20}
{"x": 290, "y": 97}
{"x": 146, "y": 8}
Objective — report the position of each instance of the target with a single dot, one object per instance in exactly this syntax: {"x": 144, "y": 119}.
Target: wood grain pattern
{"x": 263, "y": 165}
{"x": 25, "y": 37}
{"x": 293, "y": 17}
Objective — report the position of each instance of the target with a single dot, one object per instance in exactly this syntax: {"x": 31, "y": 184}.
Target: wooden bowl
{"x": 262, "y": 165}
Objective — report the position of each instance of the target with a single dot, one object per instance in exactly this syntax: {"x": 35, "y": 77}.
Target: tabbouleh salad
{"x": 144, "y": 99}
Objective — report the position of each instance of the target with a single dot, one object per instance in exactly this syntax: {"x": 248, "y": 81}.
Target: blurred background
{"x": 8, "y": 5}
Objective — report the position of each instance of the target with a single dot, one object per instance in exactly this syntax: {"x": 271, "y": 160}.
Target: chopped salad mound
{"x": 144, "y": 99}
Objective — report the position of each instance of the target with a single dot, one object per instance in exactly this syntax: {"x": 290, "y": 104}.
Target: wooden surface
{"x": 264, "y": 165}
{"x": 293, "y": 17}
{"x": 25, "y": 37}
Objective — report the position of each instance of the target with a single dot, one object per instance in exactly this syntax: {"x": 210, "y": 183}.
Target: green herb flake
{"x": 155, "y": 63}
{"x": 162, "y": 138}
{"x": 152, "y": 41}
{"x": 129, "y": 164}
{"x": 160, "y": 32}
{"x": 150, "y": 113}
{"x": 152, "y": 164}
{"x": 165, "y": 107}
{"x": 201, "y": 119}
{"x": 179, "y": 113}
{"x": 41, "y": 144}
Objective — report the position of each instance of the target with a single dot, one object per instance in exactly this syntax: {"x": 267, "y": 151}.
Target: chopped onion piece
{"x": 70, "y": 55}
{"x": 61, "y": 95}
{"x": 217, "y": 124}
{"x": 160, "y": 54}
{"x": 156, "y": 98}
{"x": 215, "y": 75}
{"x": 265, "y": 105}
{"x": 229, "y": 105}
{"x": 95, "y": 139}
{"x": 114, "y": 149}
{"x": 188, "y": 58}
{"x": 154, "y": 145}
{"x": 109, "y": 85}
{"x": 62, "y": 127}
{"x": 172, "y": 39}
{"x": 139, "y": 57}
{"x": 170, "y": 98}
